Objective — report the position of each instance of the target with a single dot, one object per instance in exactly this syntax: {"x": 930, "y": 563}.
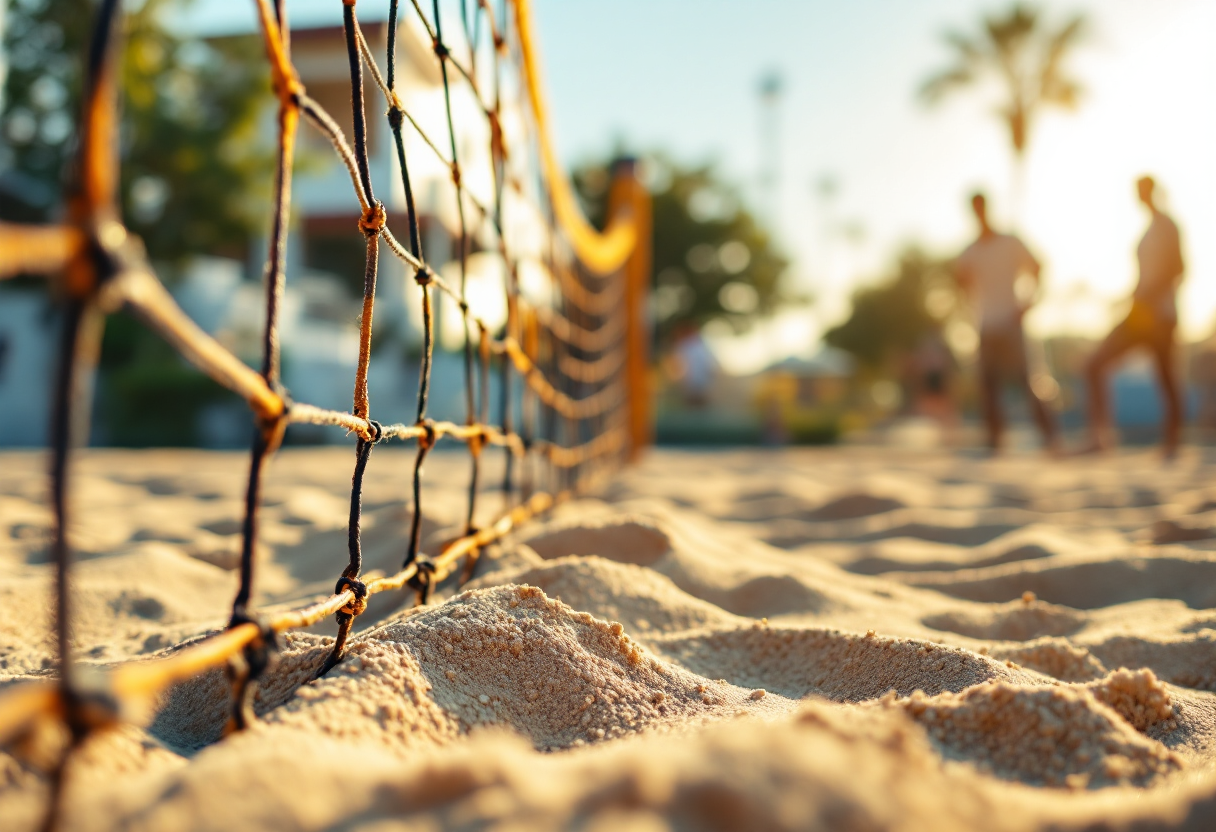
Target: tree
{"x": 194, "y": 178}
{"x": 1026, "y": 58}
{"x": 890, "y": 318}
{"x": 712, "y": 257}
{"x": 193, "y": 174}
{"x": 44, "y": 44}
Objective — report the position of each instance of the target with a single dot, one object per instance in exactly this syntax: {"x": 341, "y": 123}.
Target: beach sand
{"x": 849, "y": 638}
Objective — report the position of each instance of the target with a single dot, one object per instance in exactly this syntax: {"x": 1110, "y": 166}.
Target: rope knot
{"x": 427, "y": 440}
{"x": 498, "y": 144}
{"x": 372, "y": 221}
{"x": 479, "y": 440}
{"x": 423, "y": 276}
{"x": 395, "y": 116}
{"x": 358, "y": 604}
{"x": 376, "y": 430}
{"x": 90, "y": 704}
{"x": 272, "y": 426}
{"x": 456, "y": 174}
{"x": 440, "y": 48}
{"x": 423, "y": 579}
{"x": 259, "y": 654}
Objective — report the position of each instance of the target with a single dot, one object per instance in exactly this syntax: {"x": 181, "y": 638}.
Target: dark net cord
{"x": 566, "y": 361}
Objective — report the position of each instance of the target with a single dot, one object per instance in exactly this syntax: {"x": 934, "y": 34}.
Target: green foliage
{"x": 148, "y": 397}
{"x": 194, "y": 180}
{"x": 712, "y": 258}
{"x": 890, "y": 318}
{"x": 44, "y": 43}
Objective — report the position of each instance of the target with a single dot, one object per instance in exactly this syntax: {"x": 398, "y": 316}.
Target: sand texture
{"x": 854, "y": 639}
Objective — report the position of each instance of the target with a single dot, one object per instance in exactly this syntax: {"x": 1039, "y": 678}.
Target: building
{"x": 325, "y": 258}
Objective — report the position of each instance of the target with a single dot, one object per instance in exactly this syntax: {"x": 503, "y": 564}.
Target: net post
{"x": 629, "y": 195}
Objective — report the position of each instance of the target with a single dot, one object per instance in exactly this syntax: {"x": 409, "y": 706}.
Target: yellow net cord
{"x": 601, "y": 252}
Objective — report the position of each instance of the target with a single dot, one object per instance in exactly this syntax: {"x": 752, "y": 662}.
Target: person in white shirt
{"x": 1150, "y": 323}
{"x": 988, "y": 272}
{"x": 696, "y": 365}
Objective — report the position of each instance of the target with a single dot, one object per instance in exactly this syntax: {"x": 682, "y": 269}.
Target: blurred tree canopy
{"x": 890, "y": 318}
{"x": 712, "y": 258}
{"x": 194, "y": 179}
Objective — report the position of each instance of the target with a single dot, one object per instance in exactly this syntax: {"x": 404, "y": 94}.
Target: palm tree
{"x": 1026, "y": 58}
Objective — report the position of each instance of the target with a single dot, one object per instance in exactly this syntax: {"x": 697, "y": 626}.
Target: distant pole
{"x": 771, "y": 87}
{"x": 628, "y": 190}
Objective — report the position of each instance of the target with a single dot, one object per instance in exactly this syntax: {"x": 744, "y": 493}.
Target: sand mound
{"x": 1179, "y": 531}
{"x": 627, "y": 678}
{"x": 1085, "y": 584}
{"x": 1034, "y": 542}
{"x": 623, "y": 539}
{"x": 952, "y": 528}
{"x": 734, "y": 776}
{"x": 1055, "y": 736}
{"x": 764, "y": 506}
{"x": 642, "y": 600}
{"x": 192, "y": 714}
{"x": 1055, "y": 657}
{"x": 839, "y": 666}
{"x": 1016, "y": 621}
{"x": 969, "y": 534}
{"x": 506, "y": 656}
{"x": 512, "y": 656}
{"x": 879, "y": 564}
{"x": 1189, "y": 661}
{"x": 1138, "y": 697}
{"x": 851, "y": 506}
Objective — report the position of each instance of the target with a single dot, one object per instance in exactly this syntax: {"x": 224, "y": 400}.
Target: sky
{"x": 683, "y": 77}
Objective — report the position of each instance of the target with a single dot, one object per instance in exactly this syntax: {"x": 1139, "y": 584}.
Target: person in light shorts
{"x": 1150, "y": 324}
{"x": 988, "y": 272}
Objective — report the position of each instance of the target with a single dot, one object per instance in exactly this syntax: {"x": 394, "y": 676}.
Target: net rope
{"x": 576, "y": 360}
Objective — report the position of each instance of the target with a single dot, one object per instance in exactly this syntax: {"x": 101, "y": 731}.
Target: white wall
{"x": 27, "y": 367}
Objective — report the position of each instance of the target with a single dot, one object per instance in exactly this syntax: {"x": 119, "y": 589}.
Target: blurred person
{"x": 988, "y": 272}
{"x": 930, "y": 370}
{"x": 695, "y": 365}
{"x": 1150, "y": 323}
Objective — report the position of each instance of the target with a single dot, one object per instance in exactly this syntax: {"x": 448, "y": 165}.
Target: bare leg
{"x": 990, "y": 403}
{"x": 1116, "y": 344}
{"x": 1042, "y": 414}
{"x": 1171, "y": 395}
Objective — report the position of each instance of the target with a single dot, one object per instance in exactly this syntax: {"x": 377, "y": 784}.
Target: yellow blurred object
{"x": 601, "y": 252}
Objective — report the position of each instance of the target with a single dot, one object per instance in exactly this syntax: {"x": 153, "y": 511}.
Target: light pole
{"x": 771, "y": 87}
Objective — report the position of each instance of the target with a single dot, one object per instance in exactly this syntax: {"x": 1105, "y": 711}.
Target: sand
{"x": 852, "y": 638}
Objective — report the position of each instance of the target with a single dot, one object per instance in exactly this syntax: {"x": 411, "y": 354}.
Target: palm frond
{"x": 1008, "y": 33}
{"x": 1054, "y": 86}
{"x": 969, "y": 50}
{"x": 1017, "y": 47}
{"x": 938, "y": 86}
{"x": 1062, "y": 92}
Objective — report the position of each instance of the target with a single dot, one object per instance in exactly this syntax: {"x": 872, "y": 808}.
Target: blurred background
{"x": 811, "y": 164}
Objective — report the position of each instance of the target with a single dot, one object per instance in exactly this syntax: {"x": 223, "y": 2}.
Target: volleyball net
{"x": 571, "y": 358}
